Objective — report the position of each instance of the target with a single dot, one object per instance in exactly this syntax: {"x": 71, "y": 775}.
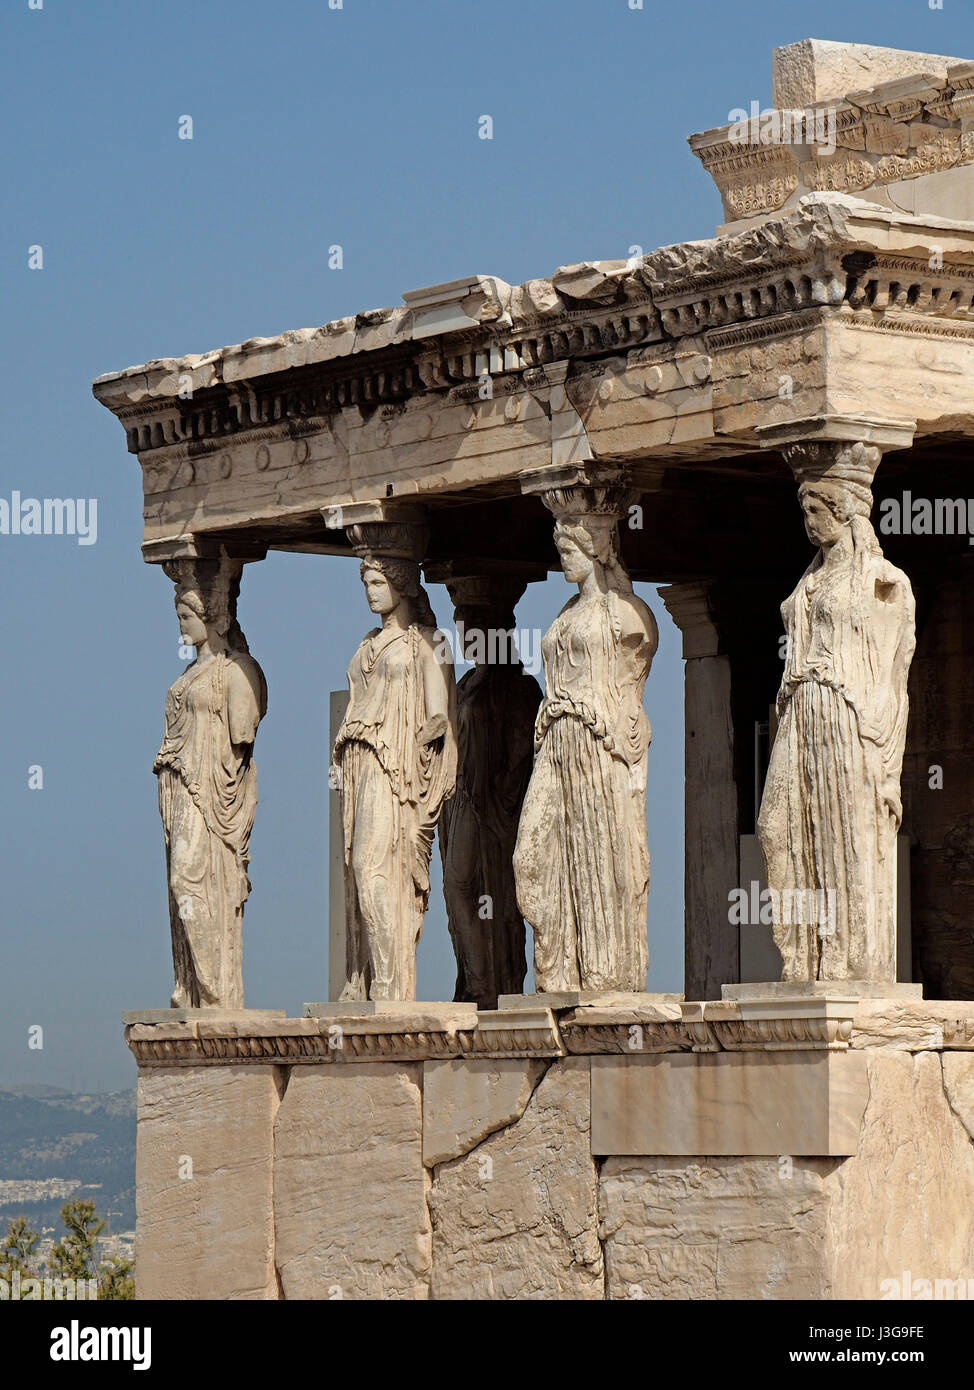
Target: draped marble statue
{"x": 496, "y": 707}
{"x": 582, "y": 862}
{"x": 396, "y": 755}
{"x": 208, "y": 785}
{"x": 831, "y": 805}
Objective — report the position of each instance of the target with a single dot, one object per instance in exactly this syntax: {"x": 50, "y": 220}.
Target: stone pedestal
{"x": 782, "y": 991}
{"x": 597, "y": 998}
{"x": 553, "y": 1153}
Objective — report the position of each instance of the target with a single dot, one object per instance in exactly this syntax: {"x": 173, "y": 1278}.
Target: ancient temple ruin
{"x": 692, "y": 417}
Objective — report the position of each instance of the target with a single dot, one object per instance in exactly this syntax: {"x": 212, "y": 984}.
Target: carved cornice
{"x": 820, "y": 261}
{"x": 293, "y": 1041}
{"x": 636, "y": 1037}
{"x": 506, "y": 1033}
{"x": 303, "y": 399}
{"x": 783, "y": 1034}
{"x": 898, "y": 130}
{"x": 290, "y": 1049}
{"x": 766, "y": 1025}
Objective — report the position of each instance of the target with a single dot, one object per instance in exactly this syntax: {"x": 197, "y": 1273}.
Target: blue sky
{"x": 311, "y": 127}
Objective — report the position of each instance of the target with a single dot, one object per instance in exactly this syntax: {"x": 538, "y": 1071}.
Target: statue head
{"x": 835, "y": 488}
{"x": 590, "y": 544}
{"x": 391, "y": 580}
{"x": 831, "y": 506}
{"x": 191, "y": 612}
{"x": 206, "y": 601}
{"x": 485, "y": 600}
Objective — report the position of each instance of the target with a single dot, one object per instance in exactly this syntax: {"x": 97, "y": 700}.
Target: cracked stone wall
{"x": 905, "y": 1203}
{"x": 204, "y": 1182}
{"x": 711, "y": 1228}
{"x": 350, "y": 1189}
{"x": 516, "y": 1216}
{"x": 474, "y": 1179}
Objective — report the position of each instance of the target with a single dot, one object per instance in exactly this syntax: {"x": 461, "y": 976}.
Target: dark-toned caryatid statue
{"x": 396, "y": 754}
{"x": 496, "y": 707}
{"x": 831, "y": 805}
{"x": 208, "y": 785}
{"x": 582, "y": 859}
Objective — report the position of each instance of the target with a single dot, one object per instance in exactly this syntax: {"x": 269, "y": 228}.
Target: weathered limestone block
{"x": 821, "y": 70}
{"x": 959, "y": 1086}
{"x": 903, "y": 1203}
{"x": 516, "y": 1218}
{"x": 737, "y": 1104}
{"x": 715, "y": 1228}
{"x": 465, "y": 1100}
{"x": 920, "y": 1025}
{"x": 204, "y": 1182}
{"x": 349, "y": 1183}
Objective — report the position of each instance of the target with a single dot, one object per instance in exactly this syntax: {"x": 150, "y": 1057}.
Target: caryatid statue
{"x": 831, "y": 806}
{"x": 397, "y": 758}
{"x": 582, "y": 861}
{"x": 496, "y": 707}
{"x": 208, "y": 785}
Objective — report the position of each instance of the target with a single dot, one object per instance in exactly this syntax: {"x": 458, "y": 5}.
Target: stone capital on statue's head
{"x": 395, "y": 540}
{"x": 597, "y": 504}
{"x": 832, "y": 461}
{"x": 210, "y": 587}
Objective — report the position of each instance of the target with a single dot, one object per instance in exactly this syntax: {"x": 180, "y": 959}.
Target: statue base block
{"x": 589, "y": 998}
{"x": 822, "y": 989}
{"x": 150, "y": 1016}
{"x": 398, "y": 1008}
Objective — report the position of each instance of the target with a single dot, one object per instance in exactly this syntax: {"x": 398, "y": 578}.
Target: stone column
{"x": 938, "y": 779}
{"x": 395, "y": 756}
{"x": 581, "y": 863}
{"x": 831, "y": 806}
{"x": 497, "y": 703}
{"x": 208, "y": 778}
{"x": 711, "y": 822}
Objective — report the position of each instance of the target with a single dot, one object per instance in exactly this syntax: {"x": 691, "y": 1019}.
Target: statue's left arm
{"x": 894, "y": 595}
{"x": 246, "y": 700}
{"x": 437, "y": 680}
{"x": 638, "y": 633}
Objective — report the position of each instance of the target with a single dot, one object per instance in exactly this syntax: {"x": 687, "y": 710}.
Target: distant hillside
{"x": 50, "y": 1138}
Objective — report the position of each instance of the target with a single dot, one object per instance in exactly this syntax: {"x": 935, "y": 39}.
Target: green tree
{"x": 74, "y": 1256}
{"x": 18, "y": 1250}
{"x": 115, "y": 1281}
